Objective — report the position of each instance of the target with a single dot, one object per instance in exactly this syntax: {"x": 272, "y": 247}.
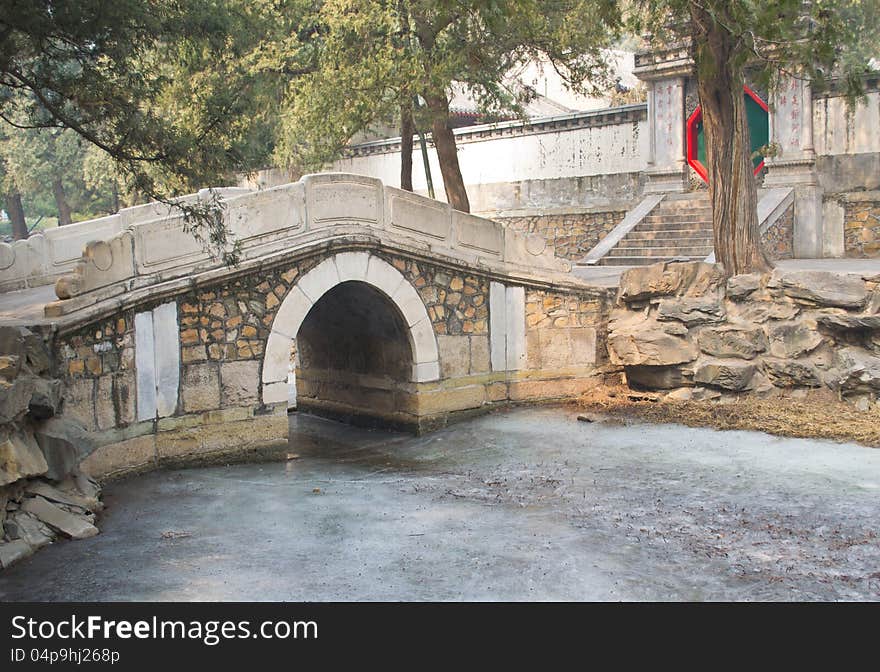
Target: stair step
{"x": 666, "y": 242}
{"x": 674, "y": 226}
{"x": 669, "y": 234}
{"x": 695, "y": 251}
{"x": 650, "y": 219}
{"x": 644, "y": 261}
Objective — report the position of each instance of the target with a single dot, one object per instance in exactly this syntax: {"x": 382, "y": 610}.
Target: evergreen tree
{"x": 818, "y": 40}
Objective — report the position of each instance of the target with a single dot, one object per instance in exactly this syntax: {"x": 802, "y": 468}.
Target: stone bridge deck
{"x": 352, "y": 300}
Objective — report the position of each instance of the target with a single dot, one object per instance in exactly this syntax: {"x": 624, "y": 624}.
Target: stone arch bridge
{"x": 353, "y": 299}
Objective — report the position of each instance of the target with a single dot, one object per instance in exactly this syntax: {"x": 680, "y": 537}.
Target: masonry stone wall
{"x": 778, "y": 239}
{"x": 861, "y": 228}
{"x": 684, "y": 328}
{"x": 572, "y": 234}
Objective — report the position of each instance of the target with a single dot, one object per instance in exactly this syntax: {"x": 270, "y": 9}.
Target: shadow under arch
{"x": 364, "y": 340}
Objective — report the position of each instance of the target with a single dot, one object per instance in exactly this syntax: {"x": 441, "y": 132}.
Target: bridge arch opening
{"x": 363, "y": 342}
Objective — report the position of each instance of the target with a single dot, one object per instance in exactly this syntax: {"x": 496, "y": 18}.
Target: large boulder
{"x": 649, "y": 346}
{"x": 692, "y": 310}
{"x": 22, "y": 342}
{"x": 854, "y": 371}
{"x": 823, "y": 288}
{"x": 15, "y": 396}
{"x": 20, "y": 456}
{"x": 46, "y": 398}
{"x": 11, "y": 341}
{"x": 793, "y": 339}
{"x": 729, "y": 374}
{"x": 10, "y": 365}
{"x": 739, "y": 342}
{"x": 740, "y": 286}
{"x": 669, "y": 279}
{"x": 64, "y": 444}
{"x": 786, "y": 373}
{"x": 844, "y": 323}
{"x": 761, "y": 312}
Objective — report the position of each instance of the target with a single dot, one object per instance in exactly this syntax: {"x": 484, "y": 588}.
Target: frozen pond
{"x": 526, "y": 504}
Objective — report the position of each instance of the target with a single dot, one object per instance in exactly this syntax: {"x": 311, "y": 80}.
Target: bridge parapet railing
{"x": 45, "y": 256}
{"x": 315, "y": 209}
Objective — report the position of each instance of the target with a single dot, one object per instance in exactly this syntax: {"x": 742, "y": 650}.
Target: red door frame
{"x": 691, "y": 137}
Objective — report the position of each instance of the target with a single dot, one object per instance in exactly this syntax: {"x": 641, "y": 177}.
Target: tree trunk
{"x": 15, "y": 210}
{"x": 64, "y": 217}
{"x": 732, "y": 188}
{"x": 407, "y": 129}
{"x": 447, "y": 153}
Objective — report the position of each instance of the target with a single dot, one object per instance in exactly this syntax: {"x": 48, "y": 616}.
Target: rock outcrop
{"x": 682, "y": 327}
{"x": 42, "y": 493}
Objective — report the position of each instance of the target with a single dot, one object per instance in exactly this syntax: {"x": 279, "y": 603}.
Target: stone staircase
{"x": 679, "y": 228}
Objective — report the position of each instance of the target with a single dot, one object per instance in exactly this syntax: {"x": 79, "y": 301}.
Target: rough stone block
{"x": 23, "y": 526}
{"x": 13, "y": 551}
{"x": 479, "y": 354}
{"x": 854, "y": 371}
{"x": 785, "y": 373}
{"x": 128, "y": 455}
{"x": 124, "y": 397}
{"x": 793, "y": 340}
{"x": 726, "y": 342}
{"x": 583, "y": 346}
{"x": 10, "y": 365}
{"x": 64, "y": 443}
{"x": 766, "y": 310}
{"x": 20, "y": 457}
{"x": 36, "y": 354}
{"x": 46, "y": 398}
{"x": 555, "y": 345}
{"x": 11, "y": 341}
{"x": 200, "y": 388}
{"x": 240, "y": 382}
{"x": 824, "y": 288}
{"x": 68, "y": 524}
{"x": 455, "y": 355}
{"x": 669, "y": 279}
{"x": 843, "y": 323}
{"x": 15, "y": 396}
{"x": 740, "y": 286}
{"x": 451, "y": 399}
{"x": 692, "y": 310}
{"x": 728, "y": 374}
{"x": 105, "y": 410}
{"x": 648, "y": 345}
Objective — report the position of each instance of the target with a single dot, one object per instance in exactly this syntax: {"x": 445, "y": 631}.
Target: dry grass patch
{"x": 819, "y": 418}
